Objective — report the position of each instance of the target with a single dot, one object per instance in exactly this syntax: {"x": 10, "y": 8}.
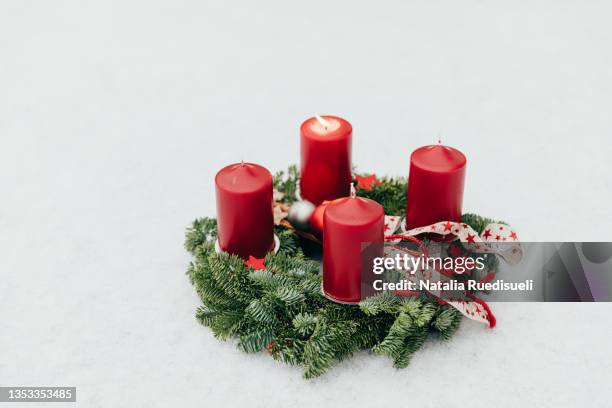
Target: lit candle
{"x": 245, "y": 222}
{"x": 435, "y": 185}
{"x": 325, "y": 172}
{"x": 349, "y": 222}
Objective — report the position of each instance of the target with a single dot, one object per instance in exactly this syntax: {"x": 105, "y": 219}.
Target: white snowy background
{"x": 115, "y": 116}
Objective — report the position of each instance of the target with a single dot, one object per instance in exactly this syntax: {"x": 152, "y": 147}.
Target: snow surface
{"x": 115, "y": 116}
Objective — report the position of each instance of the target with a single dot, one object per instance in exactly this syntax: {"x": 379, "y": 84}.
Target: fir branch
{"x": 287, "y": 183}
{"x": 288, "y": 350}
{"x": 393, "y": 344}
{"x": 390, "y": 193}
{"x": 381, "y": 302}
{"x": 305, "y": 323}
{"x": 201, "y": 231}
{"x": 447, "y": 322}
{"x": 289, "y": 295}
{"x": 261, "y": 311}
{"x": 329, "y": 343}
{"x": 413, "y": 342}
{"x": 256, "y": 339}
{"x": 289, "y": 242}
{"x": 267, "y": 279}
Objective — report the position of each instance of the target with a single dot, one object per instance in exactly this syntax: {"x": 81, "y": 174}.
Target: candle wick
{"x": 323, "y": 122}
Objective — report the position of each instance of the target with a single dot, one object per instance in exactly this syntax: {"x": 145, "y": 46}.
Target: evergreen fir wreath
{"x": 277, "y": 305}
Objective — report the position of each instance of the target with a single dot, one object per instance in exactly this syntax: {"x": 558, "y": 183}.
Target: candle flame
{"x": 325, "y": 123}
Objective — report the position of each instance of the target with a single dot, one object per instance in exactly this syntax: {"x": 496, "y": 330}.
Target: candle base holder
{"x": 332, "y": 298}
{"x": 275, "y": 250}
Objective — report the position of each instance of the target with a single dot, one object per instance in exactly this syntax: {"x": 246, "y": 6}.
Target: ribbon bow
{"x": 496, "y": 238}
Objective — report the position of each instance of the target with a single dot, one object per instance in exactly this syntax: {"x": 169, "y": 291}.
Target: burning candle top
{"x": 435, "y": 185}
{"x": 324, "y": 126}
{"x": 244, "y": 210}
{"x": 325, "y": 158}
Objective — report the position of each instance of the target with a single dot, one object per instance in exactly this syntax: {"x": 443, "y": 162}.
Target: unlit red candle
{"x": 245, "y": 221}
{"x": 325, "y": 172}
{"x": 349, "y": 223}
{"x": 435, "y": 186}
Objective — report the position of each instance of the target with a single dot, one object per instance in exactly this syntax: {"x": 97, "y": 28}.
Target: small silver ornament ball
{"x": 299, "y": 214}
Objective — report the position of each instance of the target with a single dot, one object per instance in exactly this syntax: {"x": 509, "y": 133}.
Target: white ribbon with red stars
{"x": 496, "y": 238}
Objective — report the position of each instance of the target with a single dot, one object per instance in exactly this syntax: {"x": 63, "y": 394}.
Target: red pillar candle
{"x": 245, "y": 222}
{"x": 325, "y": 158}
{"x": 349, "y": 222}
{"x": 435, "y": 186}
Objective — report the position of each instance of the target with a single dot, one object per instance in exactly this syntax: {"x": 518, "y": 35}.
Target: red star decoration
{"x": 513, "y": 235}
{"x": 470, "y": 237}
{"x": 487, "y": 233}
{"x": 387, "y": 228}
{"x": 366, "y": 182}
{"x": 448, "y": 226}
{"x": 497, "y": 237}
{"x": 256, "y": 263}
{"x": 433, "y": 227}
